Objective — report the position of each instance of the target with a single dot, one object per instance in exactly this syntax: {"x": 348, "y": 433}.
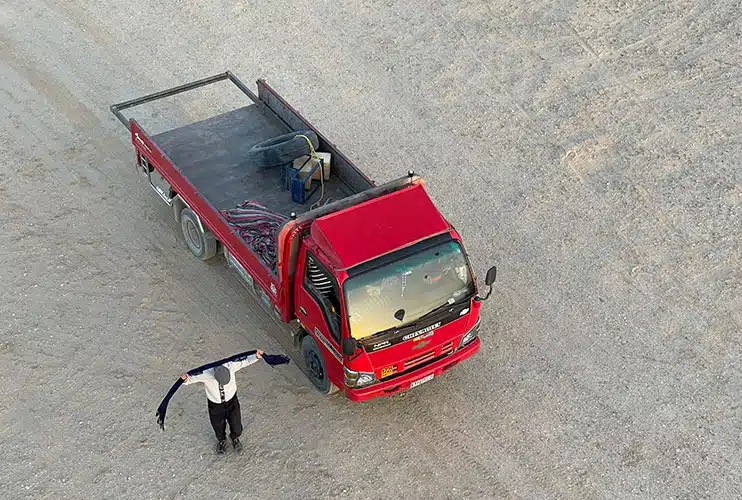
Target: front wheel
{"x": 315, "y": 363}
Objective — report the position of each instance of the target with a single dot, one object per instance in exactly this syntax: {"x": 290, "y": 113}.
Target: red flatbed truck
{"x": 374, "y": 289}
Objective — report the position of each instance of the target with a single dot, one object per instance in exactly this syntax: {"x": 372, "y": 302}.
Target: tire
{"x": 282, "y": 149}
{"x": 315, "y": 363}
{"x": 202, "y": 244}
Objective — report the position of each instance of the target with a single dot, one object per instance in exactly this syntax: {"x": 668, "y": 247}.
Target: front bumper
{"x": 397, "y": 384}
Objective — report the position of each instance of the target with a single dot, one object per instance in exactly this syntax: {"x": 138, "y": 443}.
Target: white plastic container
{"x": 306, "y": 164}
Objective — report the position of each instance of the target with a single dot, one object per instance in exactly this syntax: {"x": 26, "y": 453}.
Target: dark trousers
{"x": 221, "y": 413}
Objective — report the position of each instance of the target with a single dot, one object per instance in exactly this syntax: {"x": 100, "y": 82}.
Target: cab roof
{"x": 377, "y": 226}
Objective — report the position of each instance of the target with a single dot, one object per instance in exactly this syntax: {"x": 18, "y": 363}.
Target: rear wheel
{"x": 202, "y": 244}
{"x": 315, "y": 363}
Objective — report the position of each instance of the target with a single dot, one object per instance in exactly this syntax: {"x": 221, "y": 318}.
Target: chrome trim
{"x": 327, "y": 344}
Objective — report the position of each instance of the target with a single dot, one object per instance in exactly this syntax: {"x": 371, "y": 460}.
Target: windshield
{"x": 409, "y": 288}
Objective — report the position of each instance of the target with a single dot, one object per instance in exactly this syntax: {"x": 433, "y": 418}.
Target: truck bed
{"x": 211, "y": 155}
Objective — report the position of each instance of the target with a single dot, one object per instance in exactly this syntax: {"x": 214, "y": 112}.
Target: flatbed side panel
{"x": 206, "y": 212}
{"x": 342, "y": 167}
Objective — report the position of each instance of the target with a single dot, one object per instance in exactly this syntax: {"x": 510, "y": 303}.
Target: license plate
{"x": 385, "y": 372}
{"x": 422, "y": 380}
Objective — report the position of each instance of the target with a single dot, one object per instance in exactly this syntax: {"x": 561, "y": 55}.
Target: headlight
{"x": 470, "y": 335}
{"x": 358, "y": 379}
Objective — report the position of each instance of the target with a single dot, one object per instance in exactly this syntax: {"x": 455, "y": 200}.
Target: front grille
{"x": 427, "y": 356}
{"x": 422, "y": 358}
{"x": 421, "y": 364}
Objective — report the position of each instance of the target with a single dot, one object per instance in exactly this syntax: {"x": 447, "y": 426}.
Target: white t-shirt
{"x": 215, "y": 392}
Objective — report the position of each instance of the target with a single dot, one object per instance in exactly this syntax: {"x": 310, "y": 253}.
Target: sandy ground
{"x": 591, "y": 151}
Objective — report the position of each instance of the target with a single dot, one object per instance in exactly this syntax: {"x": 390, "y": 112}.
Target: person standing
{"x": 221, "y": 394}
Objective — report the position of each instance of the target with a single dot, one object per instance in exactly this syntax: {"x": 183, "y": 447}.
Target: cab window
{"x": 323, "y": 288}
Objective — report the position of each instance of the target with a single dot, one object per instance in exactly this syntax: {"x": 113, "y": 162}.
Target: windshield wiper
{"x": 406, "y": 325}
{"x": 432, "y": 312}
{"x": 418, "y": 320}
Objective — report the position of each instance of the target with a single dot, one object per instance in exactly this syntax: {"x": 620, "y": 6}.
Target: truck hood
{"x": 407, "y": 348}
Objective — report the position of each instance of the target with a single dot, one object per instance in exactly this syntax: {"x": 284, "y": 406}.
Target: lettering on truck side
{"x": 240, "y": 270}
{"x": 381, "y": 345}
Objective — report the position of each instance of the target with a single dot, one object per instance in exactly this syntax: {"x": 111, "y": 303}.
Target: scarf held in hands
{"x": 271, "y": 359}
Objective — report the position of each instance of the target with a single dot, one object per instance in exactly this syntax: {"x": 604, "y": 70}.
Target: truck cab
{"x": 386, "y": 288}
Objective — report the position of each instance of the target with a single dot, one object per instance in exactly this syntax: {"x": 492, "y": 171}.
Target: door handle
{"x": 302, "y": 310}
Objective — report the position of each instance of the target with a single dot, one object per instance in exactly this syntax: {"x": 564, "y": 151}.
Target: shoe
{"x": 221, "y": 446}
{"x": 237, "y": 445}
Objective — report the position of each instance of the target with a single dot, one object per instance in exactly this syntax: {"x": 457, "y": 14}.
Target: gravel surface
{"x": 591, "y": 150}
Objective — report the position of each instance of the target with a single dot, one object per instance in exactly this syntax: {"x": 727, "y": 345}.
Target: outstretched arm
{"x": 252, "y": 358}
{"x": 193, "y": 379}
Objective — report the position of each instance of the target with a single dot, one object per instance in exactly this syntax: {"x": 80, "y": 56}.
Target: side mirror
{"x": 491, "y": 276}
{"x": 488, "y": 280}
{"x": 350, "y": 346}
